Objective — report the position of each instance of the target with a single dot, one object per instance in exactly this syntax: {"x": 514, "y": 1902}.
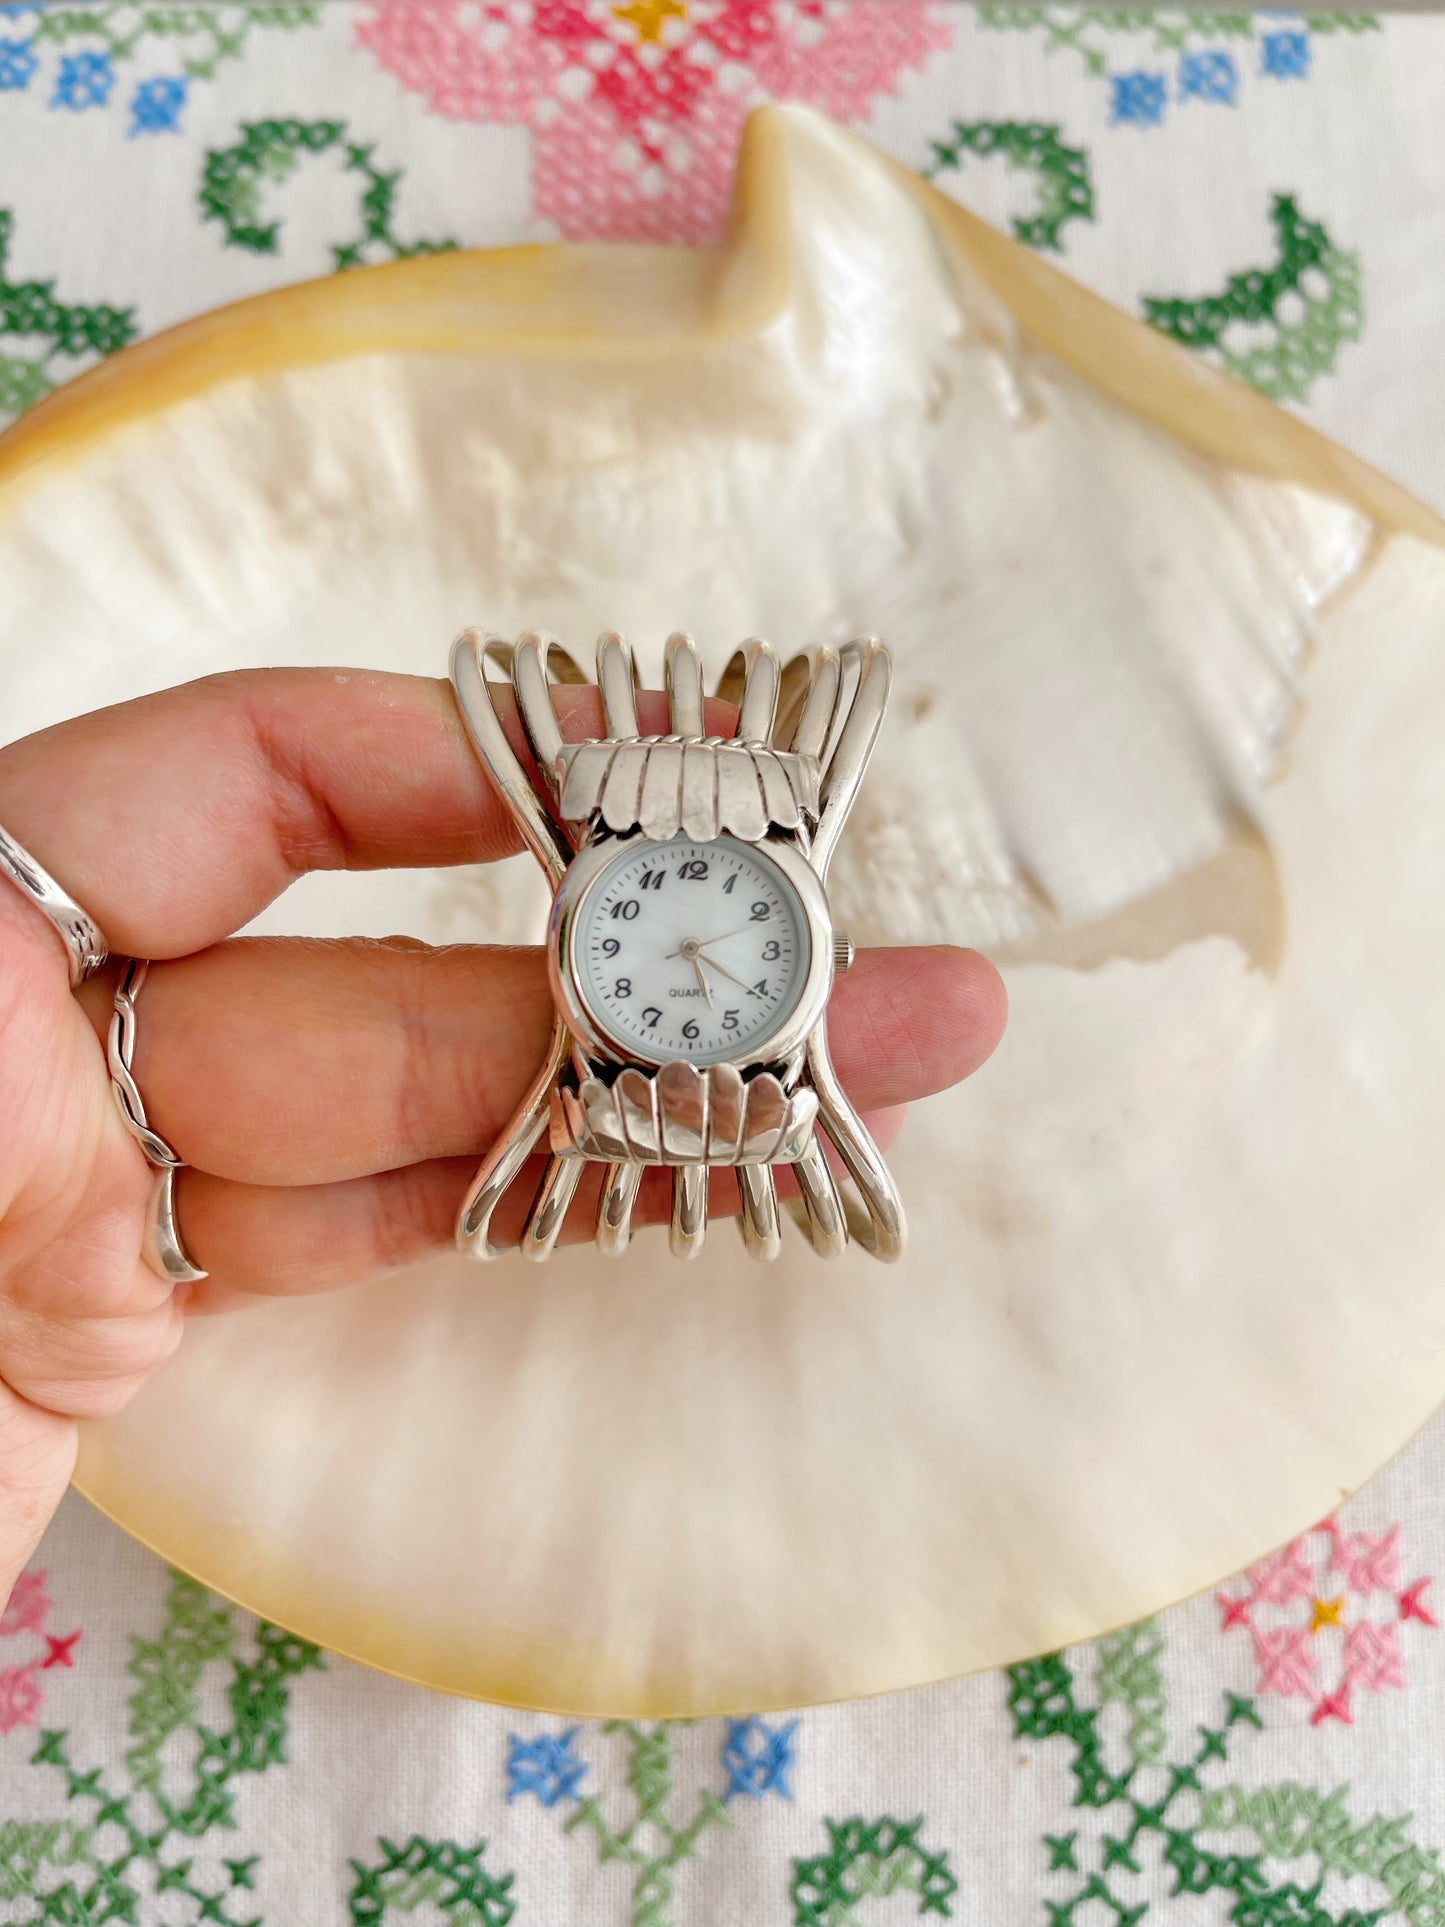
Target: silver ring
{"x": 164, "y": 1249}
{"x": 78, "y": 930}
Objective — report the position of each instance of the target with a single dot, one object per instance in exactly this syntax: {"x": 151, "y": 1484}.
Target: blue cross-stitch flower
{"x": 758, "y": 1757}
{"x": 18, "y": 62}
{"x": 84, "y": 80}
{"x": 1285, "y": 55}
{"x": 1208, "y": 75}
{"x": 156, "y": 105}
{"x": 546, "y": 1766}
{"x": 1136, "y": 99}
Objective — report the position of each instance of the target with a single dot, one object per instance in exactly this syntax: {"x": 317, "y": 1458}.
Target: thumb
{"x": 37, "y": 1456}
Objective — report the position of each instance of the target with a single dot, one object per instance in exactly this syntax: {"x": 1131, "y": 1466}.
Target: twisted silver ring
{"x": 164, "y": 1249}
{"x": 78, "y": 930}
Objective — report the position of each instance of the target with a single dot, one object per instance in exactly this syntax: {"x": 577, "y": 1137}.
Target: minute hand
{"x": 723, "y": 970}
{"x": 708, "y": 942}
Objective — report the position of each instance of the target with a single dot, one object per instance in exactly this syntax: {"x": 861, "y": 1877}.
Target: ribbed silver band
{"x": 78, "y": 930}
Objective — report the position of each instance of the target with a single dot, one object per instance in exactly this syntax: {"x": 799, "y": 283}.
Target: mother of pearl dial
{"x": 690, "y": 950}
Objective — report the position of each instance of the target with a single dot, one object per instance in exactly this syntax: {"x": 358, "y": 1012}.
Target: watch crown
{"x": 843, "y": 952}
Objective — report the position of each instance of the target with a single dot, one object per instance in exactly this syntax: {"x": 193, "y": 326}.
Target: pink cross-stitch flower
{"x": 1372, "y": 1658}
{"x": 20, "y": 1697}
{"x": 635, "y": 110}
{"x": 1312, "y": 1615}
{"x": 1369, "y": 1562}
{"x": 28, "y": 1605}
{"x": 1285, "y": 1576}
{"x": 1286, "y": 1660}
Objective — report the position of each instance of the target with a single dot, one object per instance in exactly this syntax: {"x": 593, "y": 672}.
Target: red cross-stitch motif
{"x": 636, "y": 109}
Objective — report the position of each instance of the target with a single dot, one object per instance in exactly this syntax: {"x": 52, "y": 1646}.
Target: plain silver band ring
{"x": 164, "y": 1249}
{"x": 79, "y": 931}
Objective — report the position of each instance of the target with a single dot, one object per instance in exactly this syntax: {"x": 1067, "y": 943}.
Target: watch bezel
{"x": 780, "y": 1045}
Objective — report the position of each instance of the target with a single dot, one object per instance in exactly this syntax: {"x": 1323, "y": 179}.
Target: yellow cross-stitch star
{"x": 1328, "y": 1612}
{"x": 648, "y": 16}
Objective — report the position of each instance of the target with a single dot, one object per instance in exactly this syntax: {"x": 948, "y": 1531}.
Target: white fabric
{"x": 1346, "y": 121}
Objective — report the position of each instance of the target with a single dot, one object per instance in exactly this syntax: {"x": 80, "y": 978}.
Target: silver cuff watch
{"x": 691, "y": 949}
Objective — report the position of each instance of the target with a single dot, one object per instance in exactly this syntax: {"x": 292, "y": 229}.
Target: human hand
{"x": 333, "y": 1098}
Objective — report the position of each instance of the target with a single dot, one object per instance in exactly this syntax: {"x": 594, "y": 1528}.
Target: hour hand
{"x": 722, "y": 969}
{"x": 688, "y": 949}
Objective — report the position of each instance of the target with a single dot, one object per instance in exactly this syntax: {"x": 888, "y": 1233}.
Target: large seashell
{"x": 1166, "y": 739}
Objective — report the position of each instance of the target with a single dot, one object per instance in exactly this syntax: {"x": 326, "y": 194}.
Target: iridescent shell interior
{"x": 1165, "y": 742}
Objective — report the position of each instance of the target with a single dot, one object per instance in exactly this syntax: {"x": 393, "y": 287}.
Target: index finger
{"x": 176, "y": 818}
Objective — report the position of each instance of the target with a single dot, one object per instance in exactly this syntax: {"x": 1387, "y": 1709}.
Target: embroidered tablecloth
{"x": 1270, "y": 190}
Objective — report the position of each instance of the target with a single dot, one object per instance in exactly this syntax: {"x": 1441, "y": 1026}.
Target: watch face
{"x": 690, "y": 950}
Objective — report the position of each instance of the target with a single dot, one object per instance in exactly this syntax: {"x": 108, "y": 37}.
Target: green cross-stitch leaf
{"x": 268, "y": 154}
{"x": 1278, "y": 328}
{"x": 869, "y": 1860}
{"x": 1065, "y": 191}
{"x": 421, "y": 1871}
